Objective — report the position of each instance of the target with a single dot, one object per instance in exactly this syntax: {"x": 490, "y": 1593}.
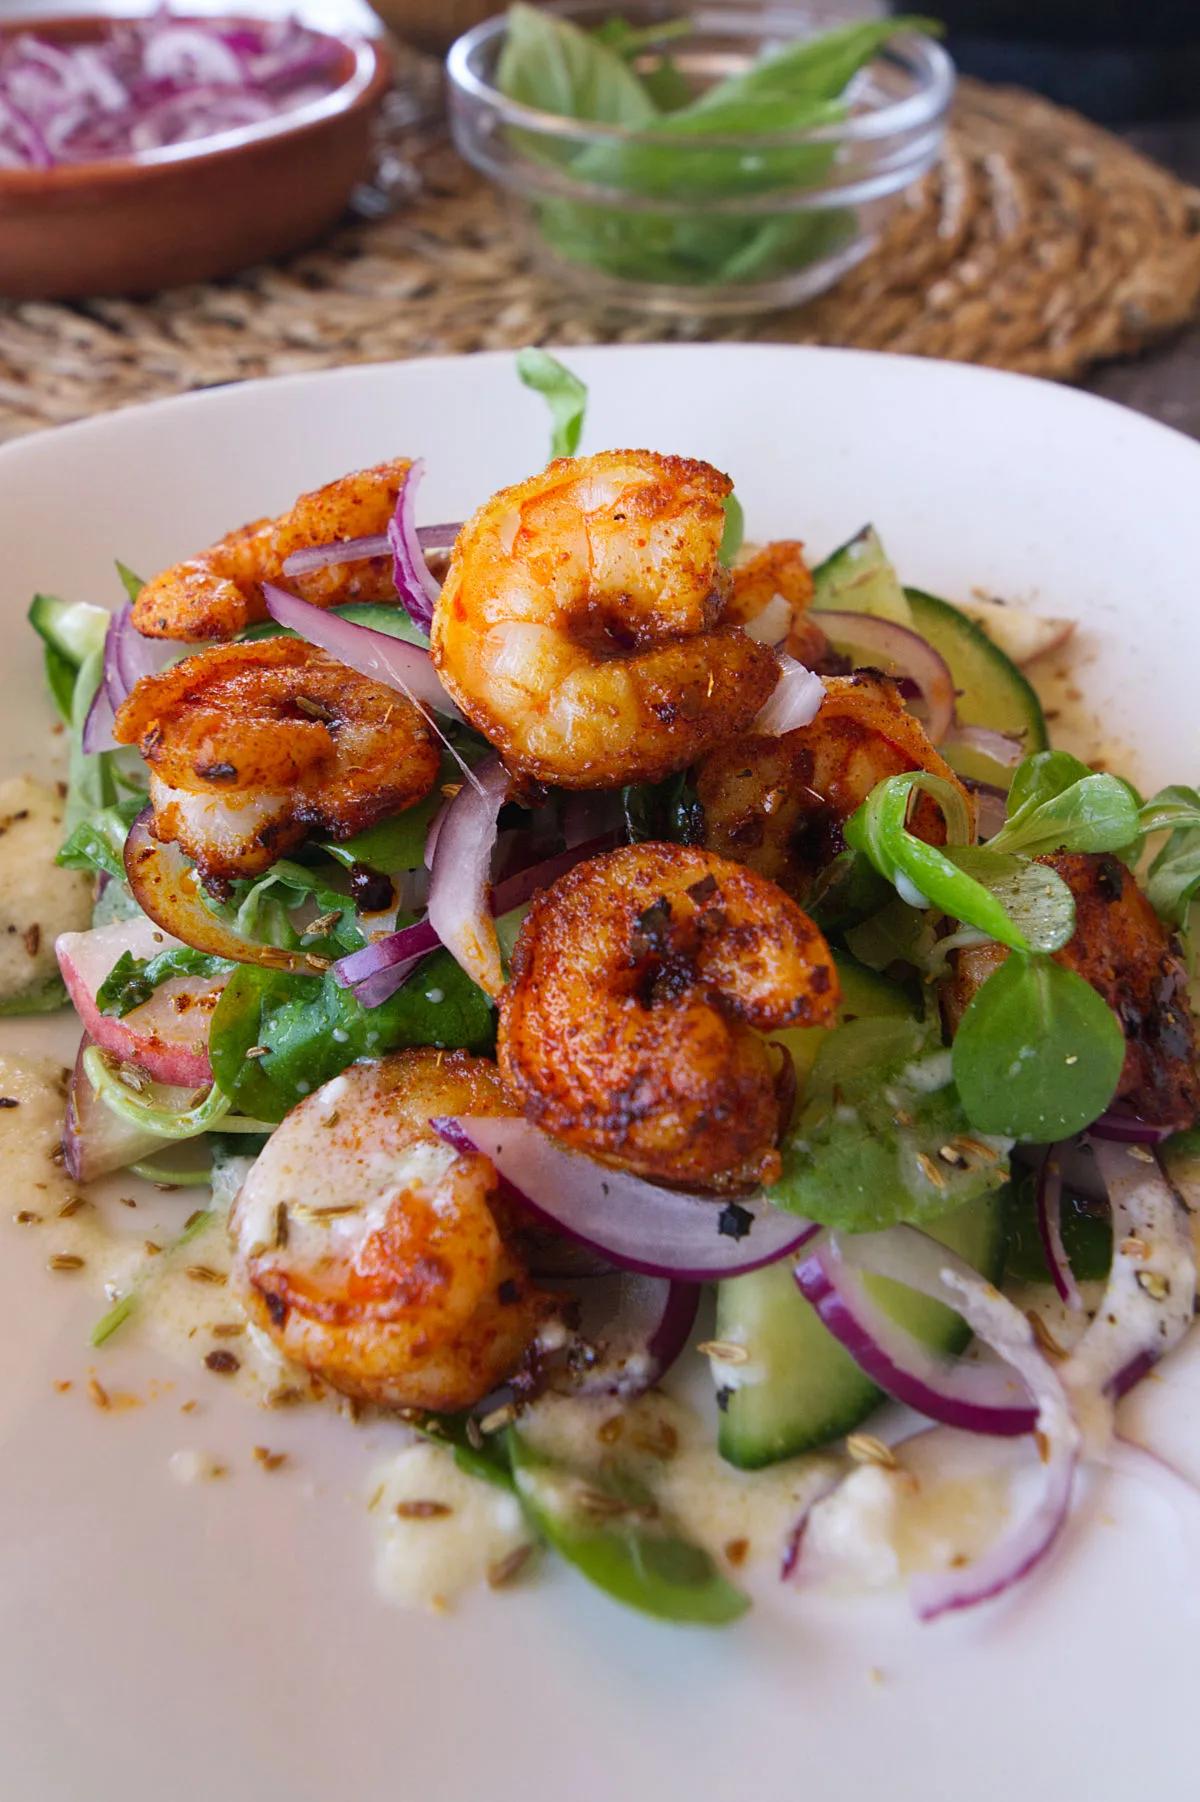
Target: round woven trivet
{"x": 1039, "y": 243}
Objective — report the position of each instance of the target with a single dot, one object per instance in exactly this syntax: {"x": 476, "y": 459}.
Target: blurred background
{"x": 1039, "y": 241}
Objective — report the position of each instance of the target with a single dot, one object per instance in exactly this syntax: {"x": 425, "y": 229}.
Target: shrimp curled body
{"x": 218, "y": 593}
{"x": 629, "y": 1029}
{"x": 252, "y": 746}
{"x": 779, "y": 804}
{"x": 374, "y": 1255}
{"x": 579, "y": 627}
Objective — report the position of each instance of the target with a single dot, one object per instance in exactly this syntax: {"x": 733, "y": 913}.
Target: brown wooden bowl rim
{"x": 367, "y": 79}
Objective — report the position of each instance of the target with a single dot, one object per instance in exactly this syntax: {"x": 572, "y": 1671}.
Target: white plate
{"x": 224, "y": 1640}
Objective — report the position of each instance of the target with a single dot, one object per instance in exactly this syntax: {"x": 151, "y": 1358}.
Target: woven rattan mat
{"x": 1039, "y": 243}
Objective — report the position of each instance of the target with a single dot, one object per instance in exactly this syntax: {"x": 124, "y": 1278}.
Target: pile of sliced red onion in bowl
{"x": 144, "y": 85}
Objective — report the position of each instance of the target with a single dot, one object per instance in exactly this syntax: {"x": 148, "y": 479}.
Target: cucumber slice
{"x": 863, "y": 993}
{"x": 800, "y": 1389}
{"x": 72, "y": 628}
{"x": 379, "y": 615}
{"x": 991, "y": 689}
{"x": 858, "y": 578}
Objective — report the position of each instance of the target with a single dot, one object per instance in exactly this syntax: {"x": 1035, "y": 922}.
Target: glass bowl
{"x": 720, "y": 223}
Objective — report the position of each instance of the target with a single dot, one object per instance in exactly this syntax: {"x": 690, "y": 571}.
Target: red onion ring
{"x": 1004, "y": 748}
{"x": 659, "y": 1232}
{"x": 1124, "y": 1128}
{"x": 1149, "y": 1302}
{"x": 652, "y": 1323}
{"x": 439, "y": 538}
{"x": 908, "y": 653}
{"x": 378, "y": 971}
{"x": 459, "y": 911}
{"x": 341, "y": 550}
{"x": 1049, "y": 1220}
{"x": 414, "y": 584}
{"x": 795, "y": 701}
{"x": 392, "y": 661}
{"x": 974, "y": 1397}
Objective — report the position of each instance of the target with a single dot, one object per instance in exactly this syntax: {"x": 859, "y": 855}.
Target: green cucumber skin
{"x": 72, "y": 628}
{"x": 814, "y": 1392}
{"x": 993, "y": 691}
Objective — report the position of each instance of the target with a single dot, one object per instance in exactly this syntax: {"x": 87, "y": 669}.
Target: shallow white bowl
{"x": 224, "y": 1640}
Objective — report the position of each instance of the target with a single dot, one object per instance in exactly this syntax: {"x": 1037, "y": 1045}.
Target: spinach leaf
{"x": 668, "y": 810}
{"x": 610, "y": 1528}
{"x": 1057, "y": 803}
{"x": 565, "y": 395}
{"x": 1038, "y": 1053}
{"x": 132, "y": 584}
{"x": 132, "y": 980}
{"x": 312, "y": 1028}
{"x": 395, "y": 844}
{"x": 878, "y": 1138}
{"x": 98, "y": 843}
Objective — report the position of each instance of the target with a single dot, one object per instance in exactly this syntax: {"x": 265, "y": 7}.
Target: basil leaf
{"x": 880, "y": 1110}
{"x": 1057, "y": 804}
{"x": 550, "y": 64}
{"x": 609, "y": 1527}
{"x": 818, "y": 67}
{"x": 565, "y": 395}
{"x": 132, "y": 980}
{"x": 1038, "y": 1053}
{"x": 313, "y": 1028}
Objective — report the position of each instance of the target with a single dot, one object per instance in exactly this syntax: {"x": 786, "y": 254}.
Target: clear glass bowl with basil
{"x": 699, "y": 159}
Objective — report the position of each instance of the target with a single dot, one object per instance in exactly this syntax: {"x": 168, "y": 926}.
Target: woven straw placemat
{"x": 1039, "y": 243}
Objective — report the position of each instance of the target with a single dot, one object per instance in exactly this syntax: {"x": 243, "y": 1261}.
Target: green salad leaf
{"x": 1038, "y": 1053}
{"x": 310, "y": 1028}
{"x": 1086, "y": 1235}
{"x": 98, "y": 842}
{"x": 132, "y": 980}
{"x": 882, "y": 1135}
{"x": 1174, "y": 876}
{"x": 564, "y": 393}
{"x": 132, "y": 584}
{"x": 46, "y": 998}
{"x": 1057, "y": 803}
{"x": 551, "y": 64}
{"x": 735, "y": 530}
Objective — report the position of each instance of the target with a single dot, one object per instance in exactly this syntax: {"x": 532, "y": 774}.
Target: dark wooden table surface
{"x": 1164, "y": 382}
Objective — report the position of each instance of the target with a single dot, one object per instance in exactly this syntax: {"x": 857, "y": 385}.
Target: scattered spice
{"x": 33, "y": 940}
{"x": 227, "y": 1329}
{"x": 610, "y": 1431}
{"x": 505, "y": 1569}
{"x": 257, "y": 1051}
{"x": 9, "y": 1101}
{"x": 26, "y": 1217}
{"x": 193, "y": 1220}
{"x": 204, "y": 1273}
{"x": 98, "y": 1393}
{"x": 151, "y": 1249}
{"x": 723, "y": 1351}
{"x": 1045, "y": 1338}
{"x": 320, "y": 964}
{"x": 285, "y": 1396}
{"x": 127, "y": 1201}
{"x": 65, "y": 1260}
{"x": 864, "y": 1448}
{"x": 662, "y": 1443}
{"x": 734, "y": 1222}
{"x": 1153, "y": 1284}
{"x": 735, "y": 1551}
{"x": 421, "y": 1510}
{"x": 281, "y": 1225}
{"x": 269, "y": 1460}
{"x": 71, "y": 1207}
{"x": 63, "y": 1386}
{"x": 498, "y": 1418}
{"x": 222, "y": 1363}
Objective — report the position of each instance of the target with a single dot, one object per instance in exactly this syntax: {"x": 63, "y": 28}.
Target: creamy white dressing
{"x": 38, "y": 900}
{"x": 440, "y": 1533}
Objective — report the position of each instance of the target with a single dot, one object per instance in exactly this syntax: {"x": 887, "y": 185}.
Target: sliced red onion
{"x": 414, "y": 584}
{"x": 1128, "y": 1129}
{"x": 342, "y": 550}
{"x": 431, "y": 836}
{"x": 1049, "y": 1219}
{"x": 128, "y": 656}
{"x": 459, "y": 912}
{"x": 794, "y": 1544}
{"x": 975, "y": 1397}
{"x": 991, "y": 807}
{"x": 438, "y": 538}
{"x": 907, "y": 653}
{"x": 378, "y": 971}
{"x": 392, "y": 661}
{"x": 1003, "y": 748}
{"x": 97, "y": 732}
{"x": 659, "y": 1232}
{"x": 796, "y": 699}
{"x": 650, "y": 1326}
{"x": 1149, "y": 1302}
{"x": 153, "y": 82}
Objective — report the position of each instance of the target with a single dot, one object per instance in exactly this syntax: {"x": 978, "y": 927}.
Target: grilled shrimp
{"x": 377, "y": 1257}
{"x": 218, "y": 594}
{"x": 252, "y": 746}
{"x": 640, "y": 981}
{"x": 779, "y": 804}
{"x": 579, "y": 625}
{"x": 1127, "y": 954}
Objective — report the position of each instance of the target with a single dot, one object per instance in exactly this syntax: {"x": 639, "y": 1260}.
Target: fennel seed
{"x": 222, "y": 1363}
{"x": 204, "y": 1273}
{"x": 421, "y": 1510}
{"x": 498, "y": 1418}
{"x": 505, "y": 1569}
{"x": 864, "y": 1448}
{"x": 98, "y": 1393}
{"x": 930, "y": 1171}
{"x": 268, "y": 1459}
{"x": 64, "y": 1260}
{"x": 723, "y": 1351}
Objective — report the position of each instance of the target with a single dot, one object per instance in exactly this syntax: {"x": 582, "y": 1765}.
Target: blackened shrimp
{"x": 1127, "y": 954}
{"x": 579, "y": 627}
{"x": 779, "y": 804}
{"x": 640, "y": 983}
{"x": 253, "y": 746}
{"x": 217, "y": 594}
{"x": 377, "y": 1257}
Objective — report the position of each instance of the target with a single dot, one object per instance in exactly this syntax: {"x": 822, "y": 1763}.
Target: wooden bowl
{"x": 434, "y": 24}
{"x": 194, "y": 211}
